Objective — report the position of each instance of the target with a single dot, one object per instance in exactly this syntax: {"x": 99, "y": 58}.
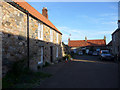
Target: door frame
{"x": 42, "y": 54}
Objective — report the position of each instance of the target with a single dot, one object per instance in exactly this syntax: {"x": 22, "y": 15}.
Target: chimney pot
{"x": 105, "y": 38}
{"x": 68, "y": 40}
{"x": 44, "y": 7}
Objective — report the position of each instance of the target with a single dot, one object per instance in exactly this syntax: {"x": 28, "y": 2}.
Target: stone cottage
{"x": 116, "y": 36}
{"x": 116, "y": 41}
{"x": 65, "y": 49}
{"x": 109, "y": 46}
{"x": 86, "y": 45}
{"x": 28, "y": 35}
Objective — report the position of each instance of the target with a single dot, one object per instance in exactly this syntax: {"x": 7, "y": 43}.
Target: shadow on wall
{"x": 15, "y": 48}
{"x": 93, "y": 44}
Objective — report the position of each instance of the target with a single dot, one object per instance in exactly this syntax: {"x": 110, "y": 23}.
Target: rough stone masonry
{"x": 14, "y": 39}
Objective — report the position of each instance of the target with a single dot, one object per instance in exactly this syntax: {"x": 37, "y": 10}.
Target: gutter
{"x": 28, "y": 14}
{"x": 28, "y": 38}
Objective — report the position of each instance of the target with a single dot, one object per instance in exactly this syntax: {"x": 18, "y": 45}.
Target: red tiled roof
{"x": 82, "y": 43}
{"x": 35, "y": 13}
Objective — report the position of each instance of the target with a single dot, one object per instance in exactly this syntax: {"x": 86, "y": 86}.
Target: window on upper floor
{"x": 51, "y": 35}
{"x": 57, "y": 37}
{"x": 40, "y": 31}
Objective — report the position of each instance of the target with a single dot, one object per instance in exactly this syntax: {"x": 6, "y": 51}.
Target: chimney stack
{"x": 105, "y": 38}
{"x": 85, "y": 38}
{"x": 45, "y": 12}
{"x": 68, "y": 40}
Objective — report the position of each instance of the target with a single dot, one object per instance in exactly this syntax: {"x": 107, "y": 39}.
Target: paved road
{"x": 83, "y": 72}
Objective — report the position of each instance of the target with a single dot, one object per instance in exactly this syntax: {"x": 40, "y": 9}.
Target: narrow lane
{"x": 79, "y": 74}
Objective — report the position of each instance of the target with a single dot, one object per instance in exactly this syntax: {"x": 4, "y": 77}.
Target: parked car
{"x": 105, "y": 54}
{"x": 95, "y": 53}
{"x": 90, "y": 53}
{"x": 80, "y": 53}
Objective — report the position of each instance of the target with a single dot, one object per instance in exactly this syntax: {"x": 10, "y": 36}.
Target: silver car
{"x": 104, "y": 54}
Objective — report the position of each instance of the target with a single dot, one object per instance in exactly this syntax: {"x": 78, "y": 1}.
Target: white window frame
{"x": 51, "y": 35}
{"x": 57, "y": 52}
{"x": 41, "y": 57}
{"x": 40, "y": 31}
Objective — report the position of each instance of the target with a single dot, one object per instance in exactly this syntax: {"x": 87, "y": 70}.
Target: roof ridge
{"x": 81, "y": 43}
{"x": 88, "y": 39}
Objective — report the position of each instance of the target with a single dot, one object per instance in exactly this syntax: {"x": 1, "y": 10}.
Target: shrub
{"x": 18, "y": 67}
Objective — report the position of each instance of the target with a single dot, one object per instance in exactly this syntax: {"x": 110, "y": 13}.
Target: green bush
{"x": 11, "y": 80}
{"x": 18, "y": 67}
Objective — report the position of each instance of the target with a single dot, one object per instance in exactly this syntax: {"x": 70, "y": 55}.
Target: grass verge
{"x": 25, "y": 79}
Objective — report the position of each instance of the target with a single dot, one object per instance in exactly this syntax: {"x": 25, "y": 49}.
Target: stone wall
{"x": 116, "y": 42}
{"x": 14, "y": 26}
{"x": 36, "y": 44}
{"x": 46, "y": 33}
{"x": 14, "y": 35}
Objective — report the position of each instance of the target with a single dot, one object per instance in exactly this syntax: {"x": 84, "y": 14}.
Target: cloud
{"x": 110, "y": 23}
{"x": 79, "y": 34}
{"x": 114, "y": 7}
{"x": 105, "y": 18}
{"x": 108, "y": 14}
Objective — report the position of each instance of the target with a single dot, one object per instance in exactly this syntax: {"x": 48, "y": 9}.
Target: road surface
{"x": 83, "y": 72}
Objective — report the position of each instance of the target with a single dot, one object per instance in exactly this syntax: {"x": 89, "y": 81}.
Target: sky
{"x": 80, "y": 19}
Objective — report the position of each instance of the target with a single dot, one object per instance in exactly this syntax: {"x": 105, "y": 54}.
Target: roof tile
{"x": 82, "y": 43}
{"x": 35, "y": 13}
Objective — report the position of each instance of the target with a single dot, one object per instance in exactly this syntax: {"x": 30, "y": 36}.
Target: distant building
{"x": 109, "y": 46}
{"x": 116, "y": 36}
{"x": 87, "y": 45}
{"x": 116, "y": 41}
{"x": 65, "y": 49}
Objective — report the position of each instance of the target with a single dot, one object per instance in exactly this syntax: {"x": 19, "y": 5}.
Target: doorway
{"x": 51, "y": 54}
{"x": 42, "y": 51}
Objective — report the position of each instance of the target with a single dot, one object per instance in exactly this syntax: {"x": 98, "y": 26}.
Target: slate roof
{"x": 118, "y": 29}
{"x": 110, "y": 43}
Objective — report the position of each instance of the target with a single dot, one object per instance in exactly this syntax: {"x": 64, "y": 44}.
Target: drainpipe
{"x": 28, "y": 38}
